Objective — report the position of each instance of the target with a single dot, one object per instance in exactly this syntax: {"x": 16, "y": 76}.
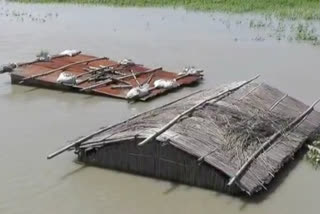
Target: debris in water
{"x": 191, "y": 70}
{"x": 126, "y": 62}
{"x": 168, "y": 84}
{"x": 138, "y": 92}
{"x": 67, "y": 78}
{"x": 69, "y": 52}
{"x": 43, "y": 56}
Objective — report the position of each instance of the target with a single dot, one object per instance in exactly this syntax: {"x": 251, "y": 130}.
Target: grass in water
{"x": 313, "y": 155}
{"x": 305, "y": 33}
{"x": 292, "y": 9}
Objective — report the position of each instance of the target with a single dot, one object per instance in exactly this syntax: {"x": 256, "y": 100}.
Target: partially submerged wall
{"x": 158, "y": 160}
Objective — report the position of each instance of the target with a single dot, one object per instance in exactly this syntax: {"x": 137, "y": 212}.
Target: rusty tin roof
{"x": 30, "y": 74}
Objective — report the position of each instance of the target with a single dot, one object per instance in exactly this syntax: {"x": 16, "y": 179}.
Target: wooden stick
{"x": 135, "y": 78}
{"x": 83, "y": 139}
{"x": 88, "y": 78}
{"x": 16, "y": 65}
{"x": 178, "y": 117}
{"x": 203, "y": 156}
{"x": 278, "y": 102}
{"x": 121, "y": 86}
{"x": 250, "y": 92}
{"x": 61, "y": 68}
{"x": 148, "y": 80}
{"x": 186, "y": 75}
{"x": 52, "y": 57}
{"x": 120, "y": 78}
{"x": 98, "y": 69}
{"x": 109, "y": 141}
{"x": 271, "y": 140}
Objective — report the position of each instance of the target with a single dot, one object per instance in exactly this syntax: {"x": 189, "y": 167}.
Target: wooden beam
{"x": 61, "y": 68}
{"x": 271, "y": 140}
{"x": 278, "y": 102}
{"x": 200, "y": 159}
{"x": 178, "y": 117}
{"x": 83, "y": 139}
{"x": 109, "y": 141}
{"x": 251, "y": 91}
{"x": 135, "y": 78}
{"x": 107, "y": 68}
{"x": 12, "y": 66}
{"x": 120, "y": 78}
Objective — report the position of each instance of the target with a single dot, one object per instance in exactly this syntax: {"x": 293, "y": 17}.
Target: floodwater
{"x": 35, "y": 122}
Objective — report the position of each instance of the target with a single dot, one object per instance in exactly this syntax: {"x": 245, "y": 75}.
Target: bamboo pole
{"x": 109, "y": 141}
{"x": 120, "y": 78}
{"x": 121, "y": 86}
{"x": 148, "y": 80}
{"x": 200, "y": 159}
{"x": 251, "y": 91}
{"x": 135, "y": 78}
{"x": 61, "y": 68}
{"x": 278, "y": 102}
{"x": 107, "y": 68}
{"x": 83, "y": 139}
{"x": 101, "y": 70}
{"x": 52, "y": 57}
{"x": 178, "y": 117}
{"x": 16, "y": 65}
{"x": 271, "y": 140}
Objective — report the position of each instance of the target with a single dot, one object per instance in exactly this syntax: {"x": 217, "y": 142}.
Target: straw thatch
{"x": 219, "y": 136}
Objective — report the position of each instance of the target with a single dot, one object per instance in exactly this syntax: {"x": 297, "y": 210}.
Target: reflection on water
{"x": 35, "y": 122}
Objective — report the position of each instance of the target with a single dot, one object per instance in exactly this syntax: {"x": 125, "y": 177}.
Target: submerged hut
{"x": 232, "y": 139}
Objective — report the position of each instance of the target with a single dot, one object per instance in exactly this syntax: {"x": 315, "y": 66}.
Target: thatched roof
{"x": 225, "y": 133}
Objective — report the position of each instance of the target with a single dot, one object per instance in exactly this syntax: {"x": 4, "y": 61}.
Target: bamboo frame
{"x": 83, "y": 139}
{"x": 178, "y": 117}
{"x": 272, "y": 140}
{"x": 120, "y": 78}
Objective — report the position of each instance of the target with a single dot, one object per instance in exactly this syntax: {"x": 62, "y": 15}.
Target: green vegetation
{"x": 313, "y": 155}
{"x": 293, "y": 9}
{"x": 305, "y": 33}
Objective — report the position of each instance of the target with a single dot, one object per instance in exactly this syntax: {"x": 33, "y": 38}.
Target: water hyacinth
{"x": 43, "y": 55}
{"x": 313, "y": 155}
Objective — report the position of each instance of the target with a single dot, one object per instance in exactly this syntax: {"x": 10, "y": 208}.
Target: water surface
{"x": 35, "y": 122}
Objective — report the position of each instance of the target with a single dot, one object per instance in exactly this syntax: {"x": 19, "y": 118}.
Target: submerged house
{"x": 232, "y": 139}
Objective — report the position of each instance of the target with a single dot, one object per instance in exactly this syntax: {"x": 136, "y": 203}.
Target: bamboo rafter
{"x": 61, "y": 68}
{"x": 216, "y": 98}
{"x": 83, "y": 139}
{"x": 108, "y": 81}
{"x": 272, "y": 140}
{"x": 16, "y": 65}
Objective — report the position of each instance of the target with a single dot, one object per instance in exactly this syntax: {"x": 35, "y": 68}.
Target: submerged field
{"x": 293, "y": 9}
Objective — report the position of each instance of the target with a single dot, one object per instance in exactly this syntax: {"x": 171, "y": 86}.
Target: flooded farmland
{"x": 35, "y": 122}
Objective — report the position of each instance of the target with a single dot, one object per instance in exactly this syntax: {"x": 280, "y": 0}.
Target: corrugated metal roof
{"x": 112, "y": 88}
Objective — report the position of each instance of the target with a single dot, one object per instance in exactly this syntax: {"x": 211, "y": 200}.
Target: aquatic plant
{"x": 257, "y": 24}
{"x": 43, "y": 55}
{"x": 313, "y": 155}
{"x": 293, "y": 9}
{"x": 304, "y": 32}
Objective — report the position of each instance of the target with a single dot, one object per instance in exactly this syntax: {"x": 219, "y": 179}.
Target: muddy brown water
{"x": 35, "y": 122}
